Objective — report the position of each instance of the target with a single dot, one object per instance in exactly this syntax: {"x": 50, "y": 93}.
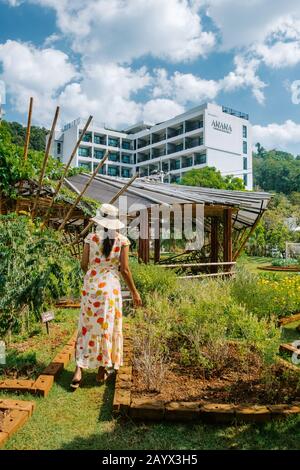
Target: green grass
{"x": 83, "y": 420}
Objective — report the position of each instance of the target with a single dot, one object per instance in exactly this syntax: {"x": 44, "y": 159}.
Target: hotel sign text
{"x": 221, "y": 126}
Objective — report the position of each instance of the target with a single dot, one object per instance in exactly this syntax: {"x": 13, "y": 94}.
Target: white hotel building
{"x": 208, "y": 135}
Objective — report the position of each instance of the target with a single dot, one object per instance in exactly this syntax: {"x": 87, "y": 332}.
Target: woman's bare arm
{"x": 85, "y": 257}
{"x": 127, "y": 276}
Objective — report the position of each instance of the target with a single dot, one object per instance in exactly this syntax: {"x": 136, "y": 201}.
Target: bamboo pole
{"x": 47, "y": 152}
{"x": 116, "y": 196}
{"x": 66, "y": 170}
{"x": 27, "y": 138}
{"x": 100, "y": 165}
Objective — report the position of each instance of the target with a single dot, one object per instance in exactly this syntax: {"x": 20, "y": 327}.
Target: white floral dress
{"x": 100, "y": 338}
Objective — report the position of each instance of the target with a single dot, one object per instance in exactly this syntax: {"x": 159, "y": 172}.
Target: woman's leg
{"x": 77, "y": 374}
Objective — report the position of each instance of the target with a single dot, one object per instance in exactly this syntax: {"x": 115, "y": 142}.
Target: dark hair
{"x": 108, "y": 243}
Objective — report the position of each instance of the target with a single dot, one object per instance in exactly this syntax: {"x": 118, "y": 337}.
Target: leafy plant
{"x": 35, "y": 269}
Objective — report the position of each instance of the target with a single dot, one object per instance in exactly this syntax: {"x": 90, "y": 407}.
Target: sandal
{"x": 105, "y": 375}
{"x": 75, "y": 384}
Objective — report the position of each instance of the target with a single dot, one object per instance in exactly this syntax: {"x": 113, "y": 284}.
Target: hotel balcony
{"x": 87, "y": 137}
{"x": 113, "y": 170}
{"x": 194, "y": 124}
{"x": 199, "y": 158}
{"x": 99, "y": 154}
{"x": 158, "y": 152}
{"x": 143, "y": 157}
{"x": 126, "y": 172}
{"x": 127, "y": 145}
{"x": 114, "y": 156}
{"x": 158, "y": 137}
{"x": 175, "y": 164}
{"x": 113, "y": 142}
{"x": 143, "y": 142}
{"x": 193, "y": 142}
{"x": 100, "y": 139}
{"x": 174, "y": 131}
{"x": 84, "y": 152}
{"x": 187, "y": 162}
{"x": 126, "y": 158}
{"x": 173, "y": 148}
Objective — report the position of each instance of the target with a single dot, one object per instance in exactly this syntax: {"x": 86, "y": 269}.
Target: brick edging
{"x": 217, "y": 413}
{"x": 19, "y": 412}
{"x": 43, "y": 384}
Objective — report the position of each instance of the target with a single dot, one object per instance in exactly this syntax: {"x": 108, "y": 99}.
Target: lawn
{"x": 83, "y": 419}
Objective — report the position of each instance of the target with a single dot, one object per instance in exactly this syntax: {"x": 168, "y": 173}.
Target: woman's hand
{"x": 137, "y": 301}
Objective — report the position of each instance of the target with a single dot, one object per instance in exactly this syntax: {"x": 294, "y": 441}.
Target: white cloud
{"x": 244, "y": 75}
{"x": 295, "y": 91}
{"x": 158, "y": 110}
{"x": 280, "y": 54}
{"x": 281, "y": 136}
{"x": 184, "y": 87}
{"x": 29, "y": 71}
{"x": 121, "y": 31}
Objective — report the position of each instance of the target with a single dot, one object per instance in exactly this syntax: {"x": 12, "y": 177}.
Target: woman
{"x": 100, "y": 341}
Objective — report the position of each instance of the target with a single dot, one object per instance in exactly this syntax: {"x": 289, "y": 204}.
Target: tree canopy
{"x": 210, "y": 177}
{"x": 275, "y": 170}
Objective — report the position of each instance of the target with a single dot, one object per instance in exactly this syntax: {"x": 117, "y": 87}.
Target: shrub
{"x": 35, "y": 269}
{"x": 152, "y": 278}
{"x": 268, "y": 294}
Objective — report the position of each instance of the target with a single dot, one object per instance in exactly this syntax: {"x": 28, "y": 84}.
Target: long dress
{"x": 100, "y": 339}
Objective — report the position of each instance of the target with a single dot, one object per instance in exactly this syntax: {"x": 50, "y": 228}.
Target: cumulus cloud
{"x": 30, "y": 71}
{"x": 121, "y": 31}
{"x": 281, "y": 136}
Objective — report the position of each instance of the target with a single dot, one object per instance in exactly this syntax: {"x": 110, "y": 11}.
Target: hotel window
{"x": 113, "y": 157}
{"x": 87, "y": 138}
{"x": 126, "y": 158}
{"x": 85, "y": 165}
{"x": 245, "y": 178}
{"x": 113, "y": 142}
{"x": 58, "y": 149}
{"x": 126, "y": 145}
{"x": 245, "y": 163}
{"x": 102, "y": 170}
{"x": 126, "y": 172}
{"x": 99, "y": 154}
{"x": 245, "y": 149}
{"x": 99, "y": 140}
{"x": 244, "y": 132}
{"x": 200, "y": 159}
{"x": 175, "y": 164}
{"x": 113, "y": 171}
{"x": 83, "y": 152}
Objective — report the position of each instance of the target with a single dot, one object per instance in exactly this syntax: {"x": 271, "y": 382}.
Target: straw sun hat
{"x": 107, "y": 217}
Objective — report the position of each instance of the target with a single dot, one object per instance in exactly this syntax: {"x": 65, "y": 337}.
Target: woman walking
{"x": 105, "y": 255}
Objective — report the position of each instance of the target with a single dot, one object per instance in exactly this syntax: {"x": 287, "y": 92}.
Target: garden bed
{"x": 27, "y": 356}
{"x": 232, "y": 384}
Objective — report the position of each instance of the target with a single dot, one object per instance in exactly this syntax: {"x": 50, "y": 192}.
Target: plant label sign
{"x": 47, "y": 316}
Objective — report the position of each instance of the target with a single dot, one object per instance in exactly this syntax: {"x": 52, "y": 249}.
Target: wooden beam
{"x": 195, "y": 265}
{"x": 28, "y": 129}
{"x": 214, "y": 243}
{"x": 80, "y": 195}
{"x": 59, "y": 185}
{"x": 227, "y": 235}
{"x": 46, "y": 156}
{"x": 144, "y": 242}
{"x": 231, "y": 273}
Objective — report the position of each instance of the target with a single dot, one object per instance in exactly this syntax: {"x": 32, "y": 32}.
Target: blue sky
{"x": 127, "y": 60}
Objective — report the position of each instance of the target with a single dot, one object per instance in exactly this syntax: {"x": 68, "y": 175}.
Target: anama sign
{"x": 221, "y": 126}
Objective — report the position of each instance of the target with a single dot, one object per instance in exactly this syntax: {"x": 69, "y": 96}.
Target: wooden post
{"x": 100, "y": 165}
{"x": 59, "y": 185}
{"x": 214, "y": 244}
{"x": 227, "y": 236}
{"x": 47, "y": 152}
{"x": 157, "y": 240}
{"x": 27, "y": 138}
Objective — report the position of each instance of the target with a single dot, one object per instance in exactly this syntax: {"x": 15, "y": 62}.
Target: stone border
{"x": 19, "y": 412}
{"x": 217, "y": 413}
{"x": 43, "y": 384}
